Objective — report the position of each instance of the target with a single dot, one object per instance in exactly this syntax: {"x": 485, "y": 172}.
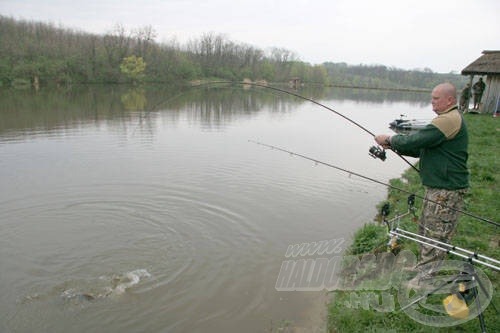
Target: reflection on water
{"x": 23, "y": 111}
{"x": 134, "y": 99}
{"x": 417, "y": 99}
{"x": 147, "y": 208}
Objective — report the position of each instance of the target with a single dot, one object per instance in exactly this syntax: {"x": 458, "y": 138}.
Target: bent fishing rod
{"x": 375, "y": 181}
{"x": 375, "y": 152}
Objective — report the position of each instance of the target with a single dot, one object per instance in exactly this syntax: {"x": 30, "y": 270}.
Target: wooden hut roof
{"x": 487, "y": 64}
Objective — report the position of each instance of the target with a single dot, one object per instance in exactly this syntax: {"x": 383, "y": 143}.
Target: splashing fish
{"x": 117, "y": 285}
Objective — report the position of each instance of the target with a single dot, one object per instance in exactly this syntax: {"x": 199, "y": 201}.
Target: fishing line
{"x": 375, "y": 181}
{"x": 154, "y": 107}
{"x": 183, "y": 90}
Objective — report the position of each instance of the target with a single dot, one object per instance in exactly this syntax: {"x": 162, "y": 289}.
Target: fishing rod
{"x": 375, "y": 181}
{"x": 374, "y": 151}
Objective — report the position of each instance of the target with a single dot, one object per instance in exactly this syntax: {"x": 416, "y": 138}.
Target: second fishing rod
{"x": 350, "y": 172}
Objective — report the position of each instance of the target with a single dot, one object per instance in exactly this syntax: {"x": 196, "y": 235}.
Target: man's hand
{"x": 383, "y": 140}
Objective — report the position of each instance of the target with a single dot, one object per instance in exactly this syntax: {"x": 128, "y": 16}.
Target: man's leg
{"x": 438, "y": 221}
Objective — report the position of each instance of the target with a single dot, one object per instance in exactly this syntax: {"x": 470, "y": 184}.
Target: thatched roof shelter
{"x": 488, "y": 63}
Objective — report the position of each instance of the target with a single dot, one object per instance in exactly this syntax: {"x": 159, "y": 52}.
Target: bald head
{"x": 444, "y": 96}
{"x": 447, "y": 89}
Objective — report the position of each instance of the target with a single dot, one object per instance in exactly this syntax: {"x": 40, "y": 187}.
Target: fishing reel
{"x": 377, "y": 152}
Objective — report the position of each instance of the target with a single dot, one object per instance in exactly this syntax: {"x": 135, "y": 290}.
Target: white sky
{"x": 443, "y": 35}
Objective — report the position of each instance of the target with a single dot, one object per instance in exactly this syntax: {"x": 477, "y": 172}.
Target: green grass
{"x": 473, "y": 234}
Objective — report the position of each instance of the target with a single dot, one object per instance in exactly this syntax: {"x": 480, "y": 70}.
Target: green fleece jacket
{"x": 442, "y": 149}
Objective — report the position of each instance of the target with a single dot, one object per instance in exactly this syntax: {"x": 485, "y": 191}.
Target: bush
{"x": 369, "y": 237}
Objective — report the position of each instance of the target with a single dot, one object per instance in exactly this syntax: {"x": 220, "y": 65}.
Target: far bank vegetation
{"x": 42, "y": 53}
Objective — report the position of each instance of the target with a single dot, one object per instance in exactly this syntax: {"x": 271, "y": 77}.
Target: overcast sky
{"x": 443, "y": 35}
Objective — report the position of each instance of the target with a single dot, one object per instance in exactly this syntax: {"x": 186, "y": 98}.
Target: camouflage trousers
{"x": 438, "y": 221}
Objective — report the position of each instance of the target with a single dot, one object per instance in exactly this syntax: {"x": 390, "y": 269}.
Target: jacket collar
{"x": 450, "y": 109}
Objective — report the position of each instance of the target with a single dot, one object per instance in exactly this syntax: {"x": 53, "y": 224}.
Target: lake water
{"x": 149, "y": 210}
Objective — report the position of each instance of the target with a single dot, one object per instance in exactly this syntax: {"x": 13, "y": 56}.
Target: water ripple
{"x": 67, "y": 238}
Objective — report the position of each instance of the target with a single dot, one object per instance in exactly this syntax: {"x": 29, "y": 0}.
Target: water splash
{"x": 128, "y": 280}
{"x": 114, "y": 285}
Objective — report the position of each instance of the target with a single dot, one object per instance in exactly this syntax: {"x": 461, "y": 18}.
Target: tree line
{"x": 41, "y": 53}
{"x": 380, "y": 76}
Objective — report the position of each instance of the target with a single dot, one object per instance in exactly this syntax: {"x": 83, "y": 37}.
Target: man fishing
{"x": 442, "y": 149}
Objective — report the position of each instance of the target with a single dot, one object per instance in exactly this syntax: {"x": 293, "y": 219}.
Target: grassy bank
{"x": 472, "y": 234}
